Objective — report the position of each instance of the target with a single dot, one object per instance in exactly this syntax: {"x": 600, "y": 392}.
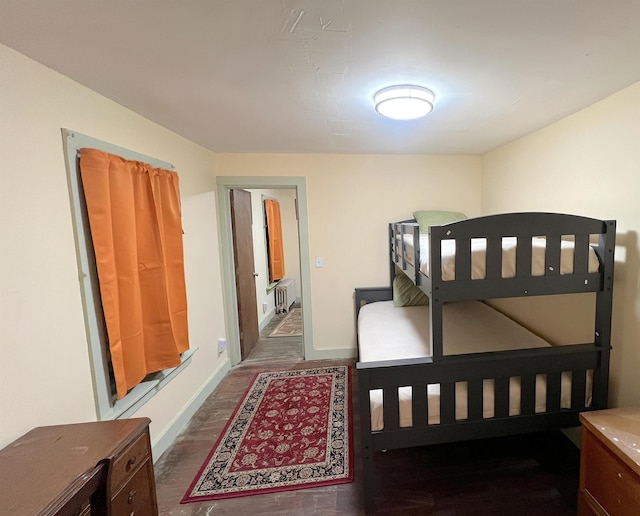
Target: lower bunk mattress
{"x": 387, "y": 332}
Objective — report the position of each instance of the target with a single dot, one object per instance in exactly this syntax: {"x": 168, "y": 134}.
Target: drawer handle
{"x": 131, "y": 462}
{"x": 132, "y": 496}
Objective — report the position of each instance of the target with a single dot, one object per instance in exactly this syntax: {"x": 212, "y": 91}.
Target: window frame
{"x": 107, "y": 407}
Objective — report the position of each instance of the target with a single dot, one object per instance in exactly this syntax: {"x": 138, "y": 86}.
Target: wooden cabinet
{"x": 102, "y": 468}
{"x": 610, "y": 462}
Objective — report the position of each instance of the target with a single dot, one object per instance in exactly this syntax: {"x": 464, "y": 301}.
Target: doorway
{"x": 224, "y": 185}
{"x": 264, "y": 227}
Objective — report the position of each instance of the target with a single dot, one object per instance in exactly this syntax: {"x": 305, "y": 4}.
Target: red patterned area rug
{"x": 292, "y": 430}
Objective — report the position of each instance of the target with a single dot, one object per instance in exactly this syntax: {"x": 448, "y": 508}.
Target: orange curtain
{"x": 136, "y": 228}
{"x": 274, "y": 233}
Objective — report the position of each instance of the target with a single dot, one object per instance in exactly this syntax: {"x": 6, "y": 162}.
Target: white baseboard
{"x": 162, "y": 443}
{"x": 332, "y": 354}
{"x": 267, "y": 319}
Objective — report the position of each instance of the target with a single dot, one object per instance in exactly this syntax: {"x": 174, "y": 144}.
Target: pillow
{"x": 426, "y": 218}
{"x": 405, "y": 293}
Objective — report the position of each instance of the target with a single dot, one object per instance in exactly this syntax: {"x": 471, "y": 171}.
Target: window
{"x": 275, "y": 248}
{"x": 103, "y": 377}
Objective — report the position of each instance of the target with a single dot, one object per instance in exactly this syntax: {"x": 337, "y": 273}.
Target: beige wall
{"x": 351, "y": 200}
{"x": 290, "y": 240}
{"x": 587, "y": 164}
{"x": 45, "y": 377}
{"x": 44, "y": 373}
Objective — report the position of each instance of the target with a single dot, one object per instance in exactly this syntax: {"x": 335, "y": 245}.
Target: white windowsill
{"x": 144, "y": 391}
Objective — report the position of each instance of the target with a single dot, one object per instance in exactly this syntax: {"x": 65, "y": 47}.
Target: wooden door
{"x": 244, "y": 269}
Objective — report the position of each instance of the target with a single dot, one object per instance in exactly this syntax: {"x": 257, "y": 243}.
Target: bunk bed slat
{"x": 419, "y": 406}
{"x": 523, "y": 257}
{"x": 578, "y": 389}
{"x": 494, "y": 258}
{"x": 447, "y": 402}
{"x": 390, "y": 409}
{"x": 463, "y": 259}
{"x": 553, "y": 392}
{"x": 581, "y": 254}
{"x": 501, "y": 397}
{"x": 552, "y": 255}
{"x": 528, "y": 394}
{"x": 475, "y": 399}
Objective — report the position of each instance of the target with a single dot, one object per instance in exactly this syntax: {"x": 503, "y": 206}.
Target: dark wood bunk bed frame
{"x": 438, "y": 368}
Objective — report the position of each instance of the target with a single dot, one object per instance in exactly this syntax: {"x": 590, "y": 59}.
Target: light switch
{"x": 319, "y": 261}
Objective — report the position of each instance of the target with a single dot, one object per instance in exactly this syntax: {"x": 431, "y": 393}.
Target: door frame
{"x": 223, "y": 185}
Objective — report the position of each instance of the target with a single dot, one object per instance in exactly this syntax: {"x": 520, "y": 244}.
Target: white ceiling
{"x": 298, "y": 76}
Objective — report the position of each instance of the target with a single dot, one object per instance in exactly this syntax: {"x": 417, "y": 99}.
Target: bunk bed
{"x": 457, "y": 369}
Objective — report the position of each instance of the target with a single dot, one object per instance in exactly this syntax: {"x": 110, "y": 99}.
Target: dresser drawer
{"x": 135, "y": 498}
{"x": 614, "y": 485}
{"x": 126, "y": 464}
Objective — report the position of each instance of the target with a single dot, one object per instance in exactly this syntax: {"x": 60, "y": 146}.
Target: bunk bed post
{"x": 392, "y": 252}
{"x": 435, "y": 301}
{"x": 416, "y": 256}
{"x": 435, "y": 322}
{"x": 366, "y": 440}
{"x": 604, "y": 304}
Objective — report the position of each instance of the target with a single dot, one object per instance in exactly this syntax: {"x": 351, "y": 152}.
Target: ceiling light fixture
{"x": 404, "y": 102}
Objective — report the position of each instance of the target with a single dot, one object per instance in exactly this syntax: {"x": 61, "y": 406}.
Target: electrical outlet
{"x": 319, "y": 261}
{"x": 222, "y": 344}
{"x": 264, "y": 307}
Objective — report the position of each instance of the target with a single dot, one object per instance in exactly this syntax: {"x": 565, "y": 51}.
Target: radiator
{"x": 285, "y": 295}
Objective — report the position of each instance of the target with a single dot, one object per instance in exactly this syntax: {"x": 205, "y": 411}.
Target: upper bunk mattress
{"x": 478, "y": 257}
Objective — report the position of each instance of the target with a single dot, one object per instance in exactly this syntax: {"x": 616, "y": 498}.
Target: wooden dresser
{"x": 102, "y": 468}
{"x": 610, "y": 462}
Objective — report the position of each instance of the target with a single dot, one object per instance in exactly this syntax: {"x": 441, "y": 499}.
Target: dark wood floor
{"x": 525, "y": 475}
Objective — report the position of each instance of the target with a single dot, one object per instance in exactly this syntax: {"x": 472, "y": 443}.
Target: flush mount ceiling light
{"x": 404, "y": 102}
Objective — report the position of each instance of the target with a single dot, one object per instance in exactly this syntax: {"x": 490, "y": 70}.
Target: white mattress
{"x": 478, "y": 257}
{"x": 386, "y": 332}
